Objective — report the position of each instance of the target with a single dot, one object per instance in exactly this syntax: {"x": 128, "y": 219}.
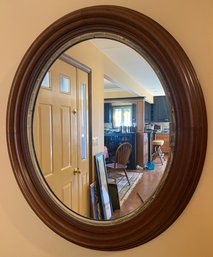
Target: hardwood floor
{"x": 143, "y": 190}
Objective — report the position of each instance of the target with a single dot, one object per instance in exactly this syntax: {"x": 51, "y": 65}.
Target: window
{"x": 122, "y": 116}
{"x": 46, "y": 82}
{"x": 83, "y": 122}
{"x": 65, "y": 84}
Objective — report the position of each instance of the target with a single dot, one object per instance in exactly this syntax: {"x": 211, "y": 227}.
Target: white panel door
{"x": 61, "y": 135}
{"x": 55, "y": 133}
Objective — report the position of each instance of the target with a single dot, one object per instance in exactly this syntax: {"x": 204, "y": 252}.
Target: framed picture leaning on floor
{"x": 95, "y": 202}
{"x": 102, "y": 186}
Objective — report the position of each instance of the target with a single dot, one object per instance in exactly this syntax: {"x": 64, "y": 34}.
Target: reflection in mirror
{"x": 101, "y": 96}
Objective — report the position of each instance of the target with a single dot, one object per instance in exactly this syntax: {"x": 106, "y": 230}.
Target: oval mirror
{"x": 100, "y": 151}
{"x": 131, "y": 107}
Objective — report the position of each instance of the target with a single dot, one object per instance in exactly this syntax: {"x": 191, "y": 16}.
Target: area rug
{"x": 124, "y": 189}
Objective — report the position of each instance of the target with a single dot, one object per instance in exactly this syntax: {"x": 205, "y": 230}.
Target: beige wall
{"x": 87, "y": 54}
{"x": 22, "y": 233}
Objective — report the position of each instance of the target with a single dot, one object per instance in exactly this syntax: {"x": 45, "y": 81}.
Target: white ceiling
{"x": 132, "y": 63}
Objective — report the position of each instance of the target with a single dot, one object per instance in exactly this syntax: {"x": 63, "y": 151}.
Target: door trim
{"x": 66, "y": 58}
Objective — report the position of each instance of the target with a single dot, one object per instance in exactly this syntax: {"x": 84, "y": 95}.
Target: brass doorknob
{"x": 74, "y": 111}
{"x": 76, "y": 171}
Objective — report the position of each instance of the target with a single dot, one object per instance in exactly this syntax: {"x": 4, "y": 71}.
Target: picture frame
{"x": 102, "y": 186}
{"x": 95, "y": 202}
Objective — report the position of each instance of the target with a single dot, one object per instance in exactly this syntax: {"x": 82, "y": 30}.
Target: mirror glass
{"x": 101, "y": 129}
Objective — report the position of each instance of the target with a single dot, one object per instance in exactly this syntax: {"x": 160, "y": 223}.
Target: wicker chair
{"x": 122, "y": 155}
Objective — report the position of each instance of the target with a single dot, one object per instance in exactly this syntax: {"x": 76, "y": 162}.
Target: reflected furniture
{"x": 113, "y": 193}
{"x": 157, "y": 144}
{"x": 113, "y": 139}
{"x": 122, "y": 155}
{"x": 161, "y": 112}
{"x": 165, "y": 137}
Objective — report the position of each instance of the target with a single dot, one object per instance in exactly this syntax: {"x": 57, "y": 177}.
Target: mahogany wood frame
{"x": 188, "y": 108}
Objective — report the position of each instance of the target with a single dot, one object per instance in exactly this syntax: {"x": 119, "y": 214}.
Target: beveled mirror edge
{"x": 133, "y": 232}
